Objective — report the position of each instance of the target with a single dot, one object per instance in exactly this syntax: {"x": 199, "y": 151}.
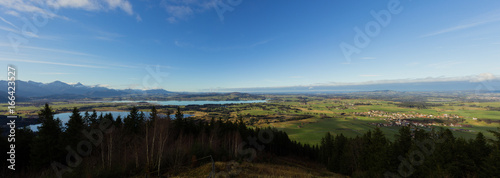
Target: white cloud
{"x": 50, "y": 7}
{"x": 178, "y": 12}
{"x": 13, "y": 13}
{"x": 77, "y": 4}
{"x": 483, "y": 77}
{"x": 14, "y": 7}
{"x": 122, "y": 4}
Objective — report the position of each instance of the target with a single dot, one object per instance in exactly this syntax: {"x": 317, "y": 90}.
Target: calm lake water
{"x": 64, "y": 117}
{"x": 184, "y": 103}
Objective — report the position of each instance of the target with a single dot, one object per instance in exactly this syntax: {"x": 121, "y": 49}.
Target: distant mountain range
{"x": 480, "y": 83}
{"x": 28, "y": 90}
{"x": 61, "y": 90}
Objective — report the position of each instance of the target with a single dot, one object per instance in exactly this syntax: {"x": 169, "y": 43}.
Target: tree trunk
{"x": 110, "y": 149}
{"x": 147, "y": 148}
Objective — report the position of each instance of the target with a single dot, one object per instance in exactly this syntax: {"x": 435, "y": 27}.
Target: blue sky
{"x": 200, "y": 45}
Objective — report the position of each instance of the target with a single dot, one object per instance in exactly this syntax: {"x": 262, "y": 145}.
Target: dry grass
{"x": 282, "y": 167}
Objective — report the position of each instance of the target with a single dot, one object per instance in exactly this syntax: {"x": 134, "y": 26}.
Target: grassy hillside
{"x": 279, "y": 167}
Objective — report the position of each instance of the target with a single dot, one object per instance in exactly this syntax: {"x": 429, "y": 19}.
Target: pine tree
{"x": 480, "y": 149}
{"x": 178, "y": 114}
{"x": 132, "y": 121}
{"x": 153, "y": 116}
{"x": 24, "y": 140}
{"x": 46, "y": 145}
{"x": 118, "y": 121}
{"x": 86, "y": 118}
{"x": 74, "y": 127}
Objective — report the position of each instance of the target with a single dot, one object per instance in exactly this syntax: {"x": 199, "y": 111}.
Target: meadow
{"x": 307, "y": 118}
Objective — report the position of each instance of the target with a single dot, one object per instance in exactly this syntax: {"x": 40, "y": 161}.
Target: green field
{"x": 307, "y": 118}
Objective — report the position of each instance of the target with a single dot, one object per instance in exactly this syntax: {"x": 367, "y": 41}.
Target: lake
{"x": 64, "y": 117}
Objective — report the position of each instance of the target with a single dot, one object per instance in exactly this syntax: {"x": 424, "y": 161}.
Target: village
{"x": 416, "y": 119}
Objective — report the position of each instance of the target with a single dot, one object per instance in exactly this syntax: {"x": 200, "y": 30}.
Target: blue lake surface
{"x": 64, "y": 117}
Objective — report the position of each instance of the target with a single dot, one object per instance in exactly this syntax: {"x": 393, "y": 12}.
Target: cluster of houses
{"x": 405, "y": 122}
{"x": 393, "y": 116}
{"x": 407, "y": 119}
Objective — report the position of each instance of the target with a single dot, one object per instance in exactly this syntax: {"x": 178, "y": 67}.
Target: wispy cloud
{"x": 49, "y": 62}
{"x": 100, "y": 34}
{"x": 27, "y": 33}
{"x": 413, "y": 64}
{"x": 11, "y": 24}
{"x": 13, "y": 13}
{"x": 184, "y": 9}
{"x": 249, "y": 46}
{"x": 50, "y": 7}
{"x": 50, "y": 49}
{"x": 476, "y": 21}
{"x": 54, "y": 73}
{"x": 93, "y": 5}
{"x": 445, "y": 64}
{"x": 260, "y": 43}
{"x": 181, "y": 44}
{"x": 367, "y": 58}
{"x": 221, "y": 48}
{"x": 370, "y": 75}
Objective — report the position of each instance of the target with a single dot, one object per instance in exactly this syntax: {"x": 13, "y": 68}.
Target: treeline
{"x": 100, "y": 146}
{"x": 419, "y": 105}
{"x": 417, "y": 153}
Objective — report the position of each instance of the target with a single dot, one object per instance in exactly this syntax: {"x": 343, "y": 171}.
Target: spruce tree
{"x": 74, "y": 128}
{"x": 46, "y": 146}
